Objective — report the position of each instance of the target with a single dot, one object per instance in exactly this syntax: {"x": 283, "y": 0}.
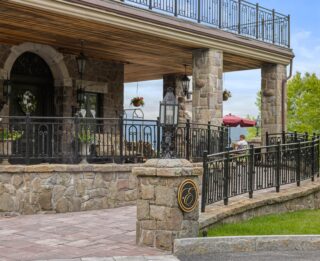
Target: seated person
{"x": 241, "y": 144}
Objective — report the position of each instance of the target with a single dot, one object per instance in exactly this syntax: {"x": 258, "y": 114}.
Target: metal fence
{"x": 30, "y": 140}
{"x": 233, "y": 173}
{"x": 235, "y": 16}
{"x": 288, "y": 137}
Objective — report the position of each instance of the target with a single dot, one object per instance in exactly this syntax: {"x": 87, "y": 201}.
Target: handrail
{"x": 235, "y": 16}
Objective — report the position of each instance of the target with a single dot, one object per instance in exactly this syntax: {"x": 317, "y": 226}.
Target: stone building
{"x": 132, "y": 40}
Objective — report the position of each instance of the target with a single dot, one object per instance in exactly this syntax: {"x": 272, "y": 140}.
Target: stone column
{"x": 174, "y": 81}
{"x": 273, "y": 76}
{"x": 207, "y": 74}
{"x": 159, "y": 217}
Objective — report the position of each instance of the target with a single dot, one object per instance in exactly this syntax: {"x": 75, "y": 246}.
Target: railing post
{"x": 199, "y": 11}
{"x": 278, "y": 165}
{"x": 267, "y": 138}
{"x": 239, "y": 17}
{"x": 226, "y": 178}
{"x": 220, "y": 14}
{"x": 188, "y": 139}
{"x": 27, "y": 159}
{"x": 313, "y": 159}
{"x": 283, "y": 137}
{"x": 204, "y": 181}
{"x": 298, "y": 159}
{"x": 262, "y": 29}
{"x": 289, "y": 31}
{"x": 295, "y": 136}
{"x": 257, "y": 21}
{"x": 158, "y": 138}
{"x": 209, "y": 138}
{"x": 121, "y": 137}
{"x": 306, "y": 136}
{"x": 273, "y": 26}
{"x": 251, "y": 171}
{"x": 76, "y": 136}
{"x": 175, "y": 7}
{"x": 150, "y": 4}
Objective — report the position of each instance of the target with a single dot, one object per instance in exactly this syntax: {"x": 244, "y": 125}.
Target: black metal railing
{"x": 235, "y": 16}
{"x": 288, "y": 137}
{"x": 233, "y": 173}
{"x": 30, "y": 140}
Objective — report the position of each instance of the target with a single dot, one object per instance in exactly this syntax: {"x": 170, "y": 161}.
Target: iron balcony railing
{"x": 30, "y": 140}
{"x": 235, "y": 16}
{"x": 233, "y": 173}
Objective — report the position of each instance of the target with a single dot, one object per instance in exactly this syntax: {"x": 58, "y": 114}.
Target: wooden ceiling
{"x": 145, "y": 57}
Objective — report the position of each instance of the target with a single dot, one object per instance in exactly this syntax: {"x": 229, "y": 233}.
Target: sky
{"x": 305, "y": 42}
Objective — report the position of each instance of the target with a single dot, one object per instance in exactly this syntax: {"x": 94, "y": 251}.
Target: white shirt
{"x": 242, "y": 144}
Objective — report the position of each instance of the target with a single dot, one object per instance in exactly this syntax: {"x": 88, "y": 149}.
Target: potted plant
{"x": 6, "y": 139}
{"x": 86, "y": 138}
{"x": 226, "y": 95}
{"x": 137, "y": 101}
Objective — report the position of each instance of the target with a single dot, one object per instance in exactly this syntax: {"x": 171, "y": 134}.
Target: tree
{"x": 252, "y": 132}
{"x": 304, "y": 103}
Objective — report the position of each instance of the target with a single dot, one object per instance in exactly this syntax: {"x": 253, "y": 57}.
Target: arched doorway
{"x": 31, "y": 73}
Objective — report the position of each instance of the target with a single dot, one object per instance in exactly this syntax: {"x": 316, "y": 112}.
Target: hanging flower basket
{"x": 226, "y": 95}
{"x": 137, "y": 101}
{"x": 27, "y": 102}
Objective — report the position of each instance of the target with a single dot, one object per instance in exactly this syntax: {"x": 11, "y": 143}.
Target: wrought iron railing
{"x": 30, "y": 140}
{"x": 233, "y": 173}
{"x": 235, "y": 16}
{"x": 288, "y": 137}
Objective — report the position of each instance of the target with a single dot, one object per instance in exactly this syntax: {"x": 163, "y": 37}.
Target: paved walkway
{"x": 102, "y": 233}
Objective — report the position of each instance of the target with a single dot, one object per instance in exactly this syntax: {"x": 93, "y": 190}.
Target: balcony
{"x": 234, "y": 16}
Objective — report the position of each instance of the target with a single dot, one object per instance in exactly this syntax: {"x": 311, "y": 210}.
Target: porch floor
{"x": 99, "y": 233}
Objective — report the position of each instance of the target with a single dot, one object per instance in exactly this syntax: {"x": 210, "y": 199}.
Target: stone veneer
{"x": 65, "y": 188}
{"x": 207, "y": 83}
{"x": 272, "y": 79}
{"x": 159, "y": 217}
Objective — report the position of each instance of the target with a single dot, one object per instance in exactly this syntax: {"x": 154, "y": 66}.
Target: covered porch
{"x": 123, "y": 43}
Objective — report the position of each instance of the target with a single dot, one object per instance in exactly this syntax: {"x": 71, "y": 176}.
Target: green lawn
{"x": 294, "y": 223}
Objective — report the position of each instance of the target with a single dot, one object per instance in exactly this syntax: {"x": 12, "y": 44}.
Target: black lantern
{"x": 81, "y": 62}
{"x": 7, "y": 87}
{"x": 258, "y": 125}
{"x": 169, "y": 112}
{"x": 169, "y": 109}
{"x": 185, "y": 83}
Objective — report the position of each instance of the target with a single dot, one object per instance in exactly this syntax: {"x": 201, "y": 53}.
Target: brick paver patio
{"x": 100, "y": 233}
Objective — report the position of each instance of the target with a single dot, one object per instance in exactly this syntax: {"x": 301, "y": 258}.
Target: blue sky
{"x": 305, "y": 41}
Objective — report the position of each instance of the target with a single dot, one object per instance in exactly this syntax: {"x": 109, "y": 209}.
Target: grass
{"x": 293, "y": 223}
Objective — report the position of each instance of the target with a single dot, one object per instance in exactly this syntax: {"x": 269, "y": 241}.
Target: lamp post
{"x": 258, "y": 125}
{"x": 169, "y": 112}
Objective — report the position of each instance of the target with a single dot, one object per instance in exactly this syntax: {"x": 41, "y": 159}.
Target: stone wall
{"x": 65, "y": 188}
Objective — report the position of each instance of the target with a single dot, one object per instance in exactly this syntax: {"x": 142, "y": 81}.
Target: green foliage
{"x": 293, "y": 223}
{"x": 85, "y": 136}
{"x": 10, "y": 135}
{"x": 304, "y": 103}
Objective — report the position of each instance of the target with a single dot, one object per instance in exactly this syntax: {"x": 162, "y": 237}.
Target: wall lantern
{"x": 7, "y": 88}
{"x": 81, "y": 64}
{"x": 169, "y": 110}
{"x": 186, "y": 83}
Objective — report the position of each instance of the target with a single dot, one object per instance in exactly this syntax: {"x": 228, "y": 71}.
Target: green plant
{"x": 10, "y": 135}
{"x": 226, "y": 95}
{"x": 86, "y": 136}
{"x": 137, "y": 101}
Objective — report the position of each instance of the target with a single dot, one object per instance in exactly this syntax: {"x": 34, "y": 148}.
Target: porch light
{"x": 169, "y": 109}
{"x": 81, "y": 61}
{"x": 185, "y": 83}
{"x": 7, "y": 87}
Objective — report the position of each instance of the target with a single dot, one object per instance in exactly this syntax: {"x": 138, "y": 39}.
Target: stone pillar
{"x": 174, "y": 81}
{"x": 273, "y": 76}
{"x": 159, "y": 217}
{"x": 207, "y": 74}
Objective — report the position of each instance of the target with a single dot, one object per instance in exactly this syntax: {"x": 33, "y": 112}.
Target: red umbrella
{"x": 233, "y": 121}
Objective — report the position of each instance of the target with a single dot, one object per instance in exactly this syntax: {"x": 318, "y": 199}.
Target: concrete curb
{"x": 212, "y": 245}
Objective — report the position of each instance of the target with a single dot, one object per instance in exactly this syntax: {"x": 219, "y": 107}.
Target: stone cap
{"x": 165, "y": 168}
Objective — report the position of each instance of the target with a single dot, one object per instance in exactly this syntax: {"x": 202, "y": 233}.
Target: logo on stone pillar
{"x": 188, "y": 194}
